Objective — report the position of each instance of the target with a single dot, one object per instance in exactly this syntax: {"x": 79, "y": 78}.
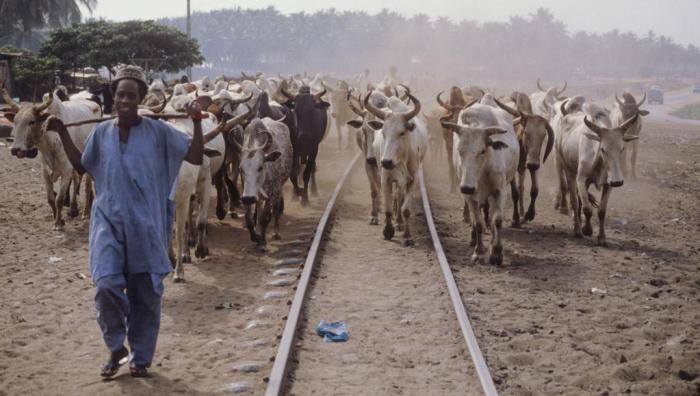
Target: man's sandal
{"x": 138, "y": 371}
{"x": 116, "y": 360}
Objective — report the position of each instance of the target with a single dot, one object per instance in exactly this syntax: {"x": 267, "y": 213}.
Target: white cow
{"x": 403, "y": 147}
{"x": 543, "y": 101}
{"x": 30, "y": 137}
{"x": 622, "y": 111}
{"x": 589, "y": 153}
{"x": 486, "y": 155}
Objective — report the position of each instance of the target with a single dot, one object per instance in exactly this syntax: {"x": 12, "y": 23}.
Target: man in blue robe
{"x": 134, "y": 162}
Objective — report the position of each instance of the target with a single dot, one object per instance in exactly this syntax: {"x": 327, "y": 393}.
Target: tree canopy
{"x": 20, "y": 19}
{"x": 102, "y": 43}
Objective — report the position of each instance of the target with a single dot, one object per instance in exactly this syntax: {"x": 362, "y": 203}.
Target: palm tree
{"x": 19, "y": 19}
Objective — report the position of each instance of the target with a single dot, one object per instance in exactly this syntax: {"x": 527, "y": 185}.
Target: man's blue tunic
{"x": 132, "y": 214}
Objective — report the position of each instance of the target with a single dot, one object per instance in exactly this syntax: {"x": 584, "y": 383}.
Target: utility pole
{"x": 189, "y": 36}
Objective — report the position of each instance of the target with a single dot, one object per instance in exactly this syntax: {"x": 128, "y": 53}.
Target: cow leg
{"x": 517, "y": 202}
{"x": 250, "y": 220}
{"x": 602, "y": 209}
{"x": 220, "y": 198}
{"x": 50, "y": 193}
{"x": 234, "y": 195}
{"x": 192, "y": 229}
{"x": 312, "y": 164}
{"x": 63, "y": 190}
{"x": 181, "y": 219}
{"x": 66, "y": 198}
{"x": 496, "y": 251}
{"x": 575, "y": 204}
{"x": 339, "y": 131}
{"x": 623, "y": 160}
{"x": 465, "y": 213}
{"x": 406, "y": 197}
{"x": 387, "y": 187}
{"x": 277, "y": 212}
{"x": 294, "y": 174}
{"x": 521, "y": 191}
{"x": 448, "y": 138}
{"x": 635, "y": 149}
{"x": 204, "y": 192}
{"x": 373, "y": 177}
{"x": 89, "y": 197}
{"x": 477, "y": 230}
{"x": 561, "y": 191}
{"x": 264, "y": 217}
{"x": 582, "y": 187}
{"x": 397, "y": 209}
{"x": 73, "y": 212}
{"x": 534, "y": 191}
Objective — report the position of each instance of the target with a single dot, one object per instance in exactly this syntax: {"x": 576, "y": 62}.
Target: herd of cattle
{"x": 261, "y": 131}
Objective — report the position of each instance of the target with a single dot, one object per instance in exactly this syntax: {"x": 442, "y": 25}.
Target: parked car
{"x": 655, "y": 95}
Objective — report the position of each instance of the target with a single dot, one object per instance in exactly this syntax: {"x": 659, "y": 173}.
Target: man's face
{"x": 127, "y": 98}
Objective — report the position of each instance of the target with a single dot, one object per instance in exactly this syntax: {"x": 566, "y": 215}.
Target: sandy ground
{"x": 404, "y": 338}
{"x": 541, "y": 328}
{"x": 51, "y": 344}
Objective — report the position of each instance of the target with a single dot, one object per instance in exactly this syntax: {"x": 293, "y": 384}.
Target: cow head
{"x": 28, "y": 125}
{"x": 255, "y": 153}
{"x": 630, "y": 106}
{"x": 311, "y": 113}
{"x": 612, "y": 144}
{"x": 366, "y": 127}
{"x": 396, "y": 128}
{"x": 456, "y": 103}
{"x": 474, "y": 147}
{"x": 535, "y": 129}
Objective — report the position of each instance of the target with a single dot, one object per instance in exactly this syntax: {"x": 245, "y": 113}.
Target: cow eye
{"x": 603, "y": 150}
{"x": 483, "y": 151}
{"x": 32, "y": 122}
{"x": 260, "y": 169}
{"x": 402, "y": 133}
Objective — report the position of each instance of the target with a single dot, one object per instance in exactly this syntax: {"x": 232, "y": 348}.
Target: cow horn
{"x": 562, "y": 108}
{"x": 593, "y": 127}
{"x": 159, "y": 108}
{"x": 446, "y": 106}
{"x": 320, "y": 94}
{"x": 619, "y": 102}
{"x": 510, "y": 110}
{"x": 539, "y": 86}
{"x": 242, "y": 100}
{"x": 550, "y": 141}
{"x": 287, "y": 94}
{"x": 227, "y": 125}
{"x": 644, "y": 98}
{"x": 370, "y": 107}
{"x": 245, "y": 76}
{"x": 354, "y": 109}
{"x": 44, "y": 105}
{"x": 6, "y": 97}
{"x": 562, "y": 90}
{"x": 416, "y": 107}
{"x": 625, "y": 125}
{"x": 468, "y": 105}
{"x": 268, "y": 140}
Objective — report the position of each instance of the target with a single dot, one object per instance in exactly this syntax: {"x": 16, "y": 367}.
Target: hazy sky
{"x": 678, "y": 19}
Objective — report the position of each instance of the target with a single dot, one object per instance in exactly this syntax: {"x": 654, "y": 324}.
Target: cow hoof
{"x": 408, "y": 242}
{"x": 304, "y": 202}
{"x": 73, "y": 213}
{"x": 186, "y": 258}
{"x": 587, "y": 230}
{"x": 578, "y": 234}
{"x": 602, "y": 242}
{"x": 373, "y": 221}
{"x": 261, "y": 248}
{"x": 178, "y": 279}
{"x": 277, "y": 237}
{"x": 59, "y": 227}
{"x": 388, "y": 232}
{"x": 496, "y": 258}
{"x": 515, "y": 224}
{"x": 233, "y": 214}
{"x": 201, "y": 252}
{"x": 400, "y": 227}
{"x": 563, "y": 210}
{"x": 220, "y": 214}
{"x": 472, "y": 242}
{"x": 475, "y": 258}
{"x": 530, "y": 215}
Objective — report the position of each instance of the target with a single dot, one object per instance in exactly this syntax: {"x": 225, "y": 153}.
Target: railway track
{"x": 407, "y": 323}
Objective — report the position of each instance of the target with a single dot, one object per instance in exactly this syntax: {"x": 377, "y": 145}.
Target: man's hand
{"x": 194, "y": 110}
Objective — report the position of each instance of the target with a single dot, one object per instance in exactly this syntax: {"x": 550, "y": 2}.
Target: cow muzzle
{"x": 19, "y": 153}
{"x": 249, "y": 200}
{"x": 372, "y": 161}
{"x": 533, "y": 167}
{"x": 388, "y": 164}
{"x": 617, "y": 183}
{"x": 467, "y": 190}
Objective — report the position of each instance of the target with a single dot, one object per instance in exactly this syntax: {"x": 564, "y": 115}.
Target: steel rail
{"x": 279, "y": 368}
{"x": 478, "y": 359}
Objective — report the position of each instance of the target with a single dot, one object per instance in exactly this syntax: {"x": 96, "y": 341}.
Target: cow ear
{"x": 323, "y": 104}
{"x": 592, "y": 136}
{"x": 10, "y": 117}
{"x": 410, "y": 126}
{"x": 643, "y": 112}
{"x": 376, "y": 125}
{"x": 355, "y": 124}
{"x": 42, "y": 117}
{"x": 211, "y": 152}
{"x": 497, "y": 145}
{"x": 273, "y": 156}
{"x": 629, "y": 138}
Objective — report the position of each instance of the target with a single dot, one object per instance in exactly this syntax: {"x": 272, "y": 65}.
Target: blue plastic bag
{"x": 333, "y": 331}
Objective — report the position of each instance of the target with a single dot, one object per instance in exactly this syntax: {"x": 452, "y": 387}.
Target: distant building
{"x": 6, "y": 59}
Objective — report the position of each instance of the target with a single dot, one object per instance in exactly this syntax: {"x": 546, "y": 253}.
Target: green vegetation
{"x": 688, "y": 112}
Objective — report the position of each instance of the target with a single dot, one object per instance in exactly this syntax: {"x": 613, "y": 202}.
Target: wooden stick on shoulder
{"x": 156, "y": 116}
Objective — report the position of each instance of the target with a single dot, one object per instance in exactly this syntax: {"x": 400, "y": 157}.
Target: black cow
{"x": 286, "y": 115}
{"x": 312, "y": 120}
